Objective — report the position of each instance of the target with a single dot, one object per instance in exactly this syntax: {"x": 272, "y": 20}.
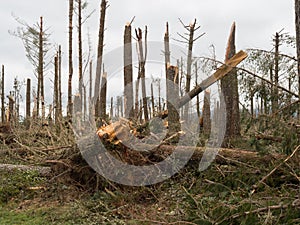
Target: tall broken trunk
{"x": 2, "y": 97}
{"x": 99, "y": 55}
{"x": 142, "y": 53}
{"x": 128, "y": 85}
{"x": 167, "y": 49}
{"x": 276, "y": 75}
{"x": 172, "y": 99}
{"x": 206, "y": 113}
{"x": 40, "y": 86}
{"x": 152, "y": 100}
{"x": 41, "y": 66}
{"x": 229, "y": 87}
{"x": 59, "y": 107}
{"x": 80, "y": 73}
{"x": 70, "y": 103}
{"x": 28, "y": 99}
{"x": 55, "y": 100}
{"x": 103, "y": 92}
{"x": 297, "y": 25}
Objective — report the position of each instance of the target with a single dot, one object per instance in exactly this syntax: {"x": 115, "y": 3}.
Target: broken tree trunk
{"x": 172, "y": 98}
{"x": 128, "y": 73}
{"x": 142, "y": 63}
{"x": 103, "y": 92}
{"x": 206, "y": 113}
{"x": 229, "y": 87}
{"x": 2, "y": 97}
{"x": 28, "y": 97}
{"x": 100, "y": 53}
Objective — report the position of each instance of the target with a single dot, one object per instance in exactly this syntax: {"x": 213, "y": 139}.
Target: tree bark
{"x": 297, "y": 25}
{"x": 229, "y": 86}
{"x": 2, "y": 97}
{"x": 80, "y": 73}
{"x": 70, "y": 103}
{"x": 41, "y": 67}
{"x": 103, "y": 93}
{"x": 28, "y": 99}
{"x": 172, "y": 98}
{"x": 59, "y": 84}
{"x": 206, "y": 113}
{"x": 167, "y": 49}
{"x": 142, "y": 62}
{"x": 189, "y": 64}
{"x": 55, "y": 100}
{"x": 128, "y": 71}
{"x": 197, "y": 98}
{"x": 100, "y": 53}
{"x": 276, "y": 74}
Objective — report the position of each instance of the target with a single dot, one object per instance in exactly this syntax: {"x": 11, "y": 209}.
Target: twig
{"x": 276, "y": 168}
{"x": 254, "y": 211}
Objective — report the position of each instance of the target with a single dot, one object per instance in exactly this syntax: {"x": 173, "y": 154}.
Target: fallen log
{"x": 268, "y": 138}
{"x": 43, "y": 171}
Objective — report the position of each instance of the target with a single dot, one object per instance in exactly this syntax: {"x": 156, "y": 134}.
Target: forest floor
{"x": 228, "y": 192}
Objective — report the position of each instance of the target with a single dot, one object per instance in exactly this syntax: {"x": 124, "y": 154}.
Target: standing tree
{"x": 297, "y": 23}
{"x": 28, "y": 100}
{"x": 128, "y": 89}
{"x": 229, "y": 86}
{"x": 190, "y": 41}
{"x": 142, "y": 55}
{"x": 36, "y": 42}
{"x": 100, "y": 55}
{"x": 70, "y": 104}
{"x": 2, "y": 97}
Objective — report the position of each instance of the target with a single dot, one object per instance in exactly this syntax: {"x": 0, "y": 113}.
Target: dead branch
{"x": 40, "y": 169}
{"x": 276, "y": 168}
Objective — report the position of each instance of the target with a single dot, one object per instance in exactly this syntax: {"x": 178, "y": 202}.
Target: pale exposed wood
{"x": 40, "y": 169}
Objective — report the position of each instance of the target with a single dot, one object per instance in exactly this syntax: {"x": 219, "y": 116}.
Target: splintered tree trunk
{"x": 229, "y": 86}
{"x": 206, "y": 113}
{"x": 41, "y": 67}
{"x": 297, "y": 25}
{"x": 276, "y": 74}
{"x": 84, "y": 102}
{"x": 172, "y": 98}
{"x": 80, "y": 73}
{"x": 159, "y": 97}
{"x": 100, "y": 54}
{"x": 103, "y": 92}
{"x": 152, "y": 100}
{"x": 55, "y": 100}
{"x": 2, "y": 97}
{"x": 59, "y": 85}
{"x": 28, "y": 94}
{"x": 167, "y": 48}
{"x": 10, "y": 109}
{"x": 111, "y": 107}
{"x": 91, "y": 83}
{"x": 70, "y": 104}
{"x": 91, "y": 106}
{"x": 128, "y": 85}
{"x": 142, "y": 62}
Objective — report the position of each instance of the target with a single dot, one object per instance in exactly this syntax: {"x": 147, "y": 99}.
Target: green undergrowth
{"x": 223, "y": 194}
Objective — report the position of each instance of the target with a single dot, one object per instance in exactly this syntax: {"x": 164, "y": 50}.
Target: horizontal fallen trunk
{"x": 43, "y": 171}
{"x": 268, "y": 138}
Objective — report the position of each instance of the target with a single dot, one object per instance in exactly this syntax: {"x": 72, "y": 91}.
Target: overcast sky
{"x": 256, "y": 21}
